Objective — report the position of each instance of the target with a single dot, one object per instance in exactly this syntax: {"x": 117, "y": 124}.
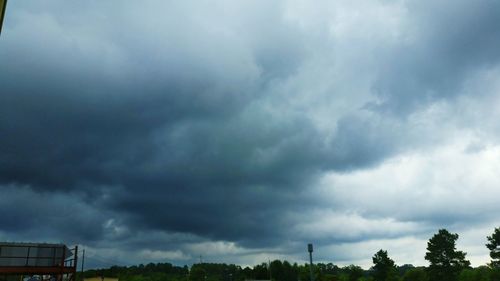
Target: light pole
{"x": 310, "y": 250}
{"x": 3, "y": 6}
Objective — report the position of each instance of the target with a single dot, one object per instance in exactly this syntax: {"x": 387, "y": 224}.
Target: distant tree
{"x": 495, "y": 274}
{"x": 289, "y": 272}
{"x": 261, "y": 271}
{"x": 332, "y": 269}
{"x": 276, "y": 270}
{"x": 383, "y": 267}
{"x": 328, "y": 272}
{"x": 197, "y": 273}
{"x": 415, "y": 274}
{"x": 482, "y": 273}
{"x": 402, "y": 269}
{"x": 247, "y": 273}
{"x": 354, "y": 272}
{"x": 303, "y": 272}
{"x": 446, "y": 262}
{"x": 494, "y": 246}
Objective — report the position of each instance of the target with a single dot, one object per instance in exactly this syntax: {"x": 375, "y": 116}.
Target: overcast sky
{"x": 159, "y": 131}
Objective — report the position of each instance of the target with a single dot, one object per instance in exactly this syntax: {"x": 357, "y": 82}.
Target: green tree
{"x": 495, "y": 274}
{"x": 446, "y": 262}
{"x": 289, "y": 272}
{"x": 276, "y": 270}
{"x": 415, "y": 274}
{"x": 197, "y": 273}
{"x": 261, "y": 271}
{"x": 354, "y": 272}
{"x": 383, "y": 267}
{"x": 402, "y": 269}
{"x": 482, "y": 273}
{"x": 494, "y": 245}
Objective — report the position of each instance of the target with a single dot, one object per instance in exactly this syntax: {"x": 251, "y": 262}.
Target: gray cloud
{"x": 449, "y": 42}
{"x": 210, "y": 126}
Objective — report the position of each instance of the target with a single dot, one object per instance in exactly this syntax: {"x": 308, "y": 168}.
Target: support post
{"x": 83, "y": 262}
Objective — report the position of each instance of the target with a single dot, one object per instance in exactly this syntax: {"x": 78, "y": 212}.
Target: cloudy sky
{"x": 159, "y": 131}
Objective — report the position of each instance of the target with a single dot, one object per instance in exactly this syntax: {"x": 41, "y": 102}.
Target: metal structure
{"x": 310, "y": 250}
{"x": 3, "y": 6}
{"x": 48, "y": 261}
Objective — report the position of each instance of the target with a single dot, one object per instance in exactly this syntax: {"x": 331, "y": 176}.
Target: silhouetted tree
{"x": 445, "y": 261}
{"x": 261, "y": 271}
{"x": 494, "y": 246}
{"x": 383, "y": 267}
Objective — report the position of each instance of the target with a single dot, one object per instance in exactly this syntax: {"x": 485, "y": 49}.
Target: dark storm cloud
{"x": 171, "y": 119}
{"x": 48, "y": 216}
{"x": 450, "y": 42}
{"x": 168, "y": 137}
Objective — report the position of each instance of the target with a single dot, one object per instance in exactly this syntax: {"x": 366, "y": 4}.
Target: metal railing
{"x": 56, "y": 259}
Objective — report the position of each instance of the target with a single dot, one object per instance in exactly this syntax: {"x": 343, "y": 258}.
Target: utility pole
{"x": 310, "y": 250}
{"x": 83, "y": 262}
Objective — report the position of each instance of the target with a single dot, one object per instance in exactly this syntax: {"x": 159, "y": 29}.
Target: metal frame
{"x": 64, "y": 267}
{"x": 2, "y": 14}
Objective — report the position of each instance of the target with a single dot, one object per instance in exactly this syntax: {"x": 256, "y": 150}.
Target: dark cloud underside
{"x": 200, "y": 121}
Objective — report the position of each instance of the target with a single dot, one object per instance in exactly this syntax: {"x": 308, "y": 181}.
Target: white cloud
{"x": 416, "y": 194}
{"x": 216, "y": 248}
{"x": 155, "y": 255}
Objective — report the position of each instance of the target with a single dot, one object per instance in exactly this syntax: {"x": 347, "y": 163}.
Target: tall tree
{"x": 276, "y": 270}
{"x": 383, "y": 266}
{"x": 494, "y": 246}
{"x": 445, "y": 261}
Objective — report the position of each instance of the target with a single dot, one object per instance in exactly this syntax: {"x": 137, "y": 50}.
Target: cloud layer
{"x": 242, "y": 131}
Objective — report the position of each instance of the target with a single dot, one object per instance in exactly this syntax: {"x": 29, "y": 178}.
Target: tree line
{"x": 446, "y": 263}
